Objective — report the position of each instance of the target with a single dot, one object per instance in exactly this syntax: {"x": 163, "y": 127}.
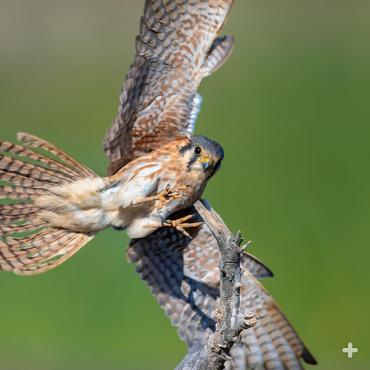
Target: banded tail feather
{"x": 29, "y": 244}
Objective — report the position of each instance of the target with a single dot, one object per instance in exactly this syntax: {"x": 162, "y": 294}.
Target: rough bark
{"x": 230, "y": 322}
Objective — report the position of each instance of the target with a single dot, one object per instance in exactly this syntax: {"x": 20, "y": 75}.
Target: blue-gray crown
{"x": 213, "y": 148}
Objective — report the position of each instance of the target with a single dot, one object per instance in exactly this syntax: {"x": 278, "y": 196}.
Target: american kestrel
{"x": 157, "y": 171}
{"x": 157, "y": 166}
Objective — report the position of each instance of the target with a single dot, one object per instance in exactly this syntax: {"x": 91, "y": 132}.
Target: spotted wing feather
{"x": 176, "y": 48}
{"x": 183, "y": 275}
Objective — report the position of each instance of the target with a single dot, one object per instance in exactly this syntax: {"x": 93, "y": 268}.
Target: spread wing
{"x": 177, "y": 47}
{"x": 183, "y": 275}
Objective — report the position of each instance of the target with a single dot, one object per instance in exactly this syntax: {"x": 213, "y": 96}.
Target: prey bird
{"x": 52, "y": 205}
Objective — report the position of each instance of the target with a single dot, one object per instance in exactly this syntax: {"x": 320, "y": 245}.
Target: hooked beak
{"x": 206, "y": 163}
{"x": 209, "y": 164}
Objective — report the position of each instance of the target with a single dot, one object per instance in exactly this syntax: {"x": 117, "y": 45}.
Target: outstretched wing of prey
{"x": 177, "y": 47}
{"x": 183, "y": 275}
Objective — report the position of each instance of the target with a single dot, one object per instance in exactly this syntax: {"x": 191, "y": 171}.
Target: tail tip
{"x": 308, "y": 357}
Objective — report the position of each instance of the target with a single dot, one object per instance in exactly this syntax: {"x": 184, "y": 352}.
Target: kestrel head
{"x": 202, "y": 154}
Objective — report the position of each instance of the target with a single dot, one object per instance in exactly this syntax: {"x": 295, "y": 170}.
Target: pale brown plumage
{"x": 177, "y": 47}
{"x": 55, "y": 205}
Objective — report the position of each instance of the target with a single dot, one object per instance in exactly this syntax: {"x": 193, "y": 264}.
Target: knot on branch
{"x": 249, "y": 321}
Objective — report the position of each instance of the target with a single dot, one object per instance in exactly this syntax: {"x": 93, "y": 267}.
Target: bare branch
{"x": 214, "y": 354}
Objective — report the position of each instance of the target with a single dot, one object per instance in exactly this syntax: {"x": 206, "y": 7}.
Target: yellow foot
{"x": 180, "y": 224}
{"x": 164, "y": 196}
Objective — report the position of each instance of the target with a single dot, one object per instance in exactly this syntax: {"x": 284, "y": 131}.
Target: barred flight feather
{"x": 36, "y": 142}
{"x": 28, "y": 244}
{"x": 177, "y": 270}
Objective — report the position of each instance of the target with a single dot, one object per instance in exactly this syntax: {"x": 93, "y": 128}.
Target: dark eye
{"x": 198, "y": 150}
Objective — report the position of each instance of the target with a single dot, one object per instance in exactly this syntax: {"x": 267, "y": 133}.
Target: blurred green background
{"x": 291, "y": 108}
